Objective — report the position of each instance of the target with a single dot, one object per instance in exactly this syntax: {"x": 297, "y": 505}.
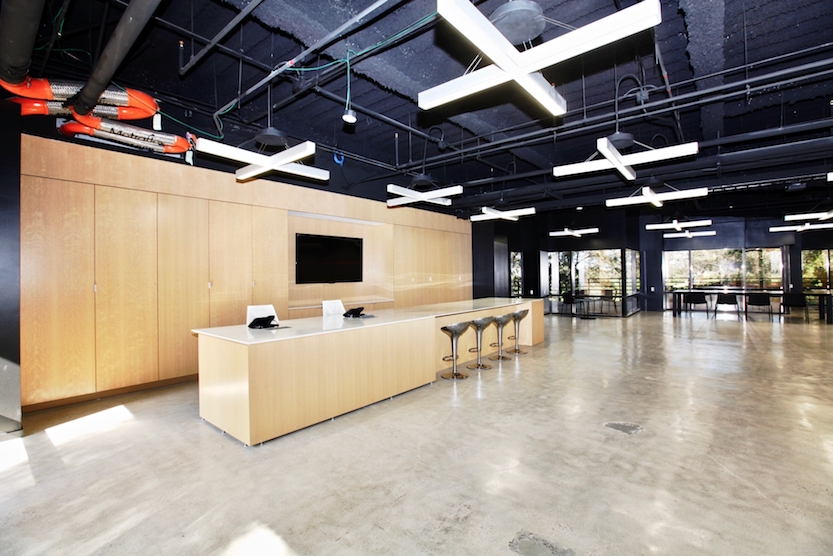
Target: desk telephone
{"x": 354, "y": 313}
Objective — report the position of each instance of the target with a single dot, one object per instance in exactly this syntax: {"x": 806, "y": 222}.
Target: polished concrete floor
{"x": 648, "y": 435}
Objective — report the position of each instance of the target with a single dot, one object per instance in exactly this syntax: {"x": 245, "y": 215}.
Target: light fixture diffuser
{"x": 259, "y": 163}
{"x": 574, "y": 233}
{"x": 689, "y": 234}
{"x": 801, "y": 227}
{"x": 523, "y": 67}
{"x": 493, "y": 214}
{"x": 810, "y": 216}
{"x": 677, "y": 225}
{"x": 624, "y": 162}
{"x": 437, "y": 196}
{"x": 654, "y": 198}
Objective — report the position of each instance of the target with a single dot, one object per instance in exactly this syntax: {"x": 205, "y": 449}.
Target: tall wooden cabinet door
{"x": 270, "y": 255}
{"x": 230, "y": 262}
{"x": 126, "y": 321}
{"x": 57, "y": 303}
{"x": 183, "y": 282}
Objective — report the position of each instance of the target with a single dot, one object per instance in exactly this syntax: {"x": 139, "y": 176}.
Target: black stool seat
{"x": 518, "y": 316}
{"x": 454, "y": 331}
{"x": 479, "y": 326}
{"x": 500, "y": 322}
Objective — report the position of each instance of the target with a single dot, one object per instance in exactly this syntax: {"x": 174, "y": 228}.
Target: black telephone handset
{"x": 354, "y": 313}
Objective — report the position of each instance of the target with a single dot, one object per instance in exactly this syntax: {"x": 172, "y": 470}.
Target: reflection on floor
{"x": 647, "y": 435}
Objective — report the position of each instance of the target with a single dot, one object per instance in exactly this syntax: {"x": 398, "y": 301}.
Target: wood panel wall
{"x": 151, "y": 235}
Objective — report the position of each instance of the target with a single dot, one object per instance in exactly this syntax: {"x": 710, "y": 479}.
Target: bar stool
{"x": 454, "y": 331}
{"x": 479, "y": 326}
{"x": 518, "y": 316}
{"x": 500, "y": 322}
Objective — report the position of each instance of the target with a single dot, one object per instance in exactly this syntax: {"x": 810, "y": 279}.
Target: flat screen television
{"x": 327, "y": 259}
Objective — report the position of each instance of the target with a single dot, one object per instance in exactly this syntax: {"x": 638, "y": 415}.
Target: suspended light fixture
{"x": 624, "y": 163}
{"x": 656, "y": 199}
{"x": 349, "y": 115}
{"x": 437, "y": 196}
{"x": 493, "y": 214}
{"x": 284, "y": 161}
{"x": 677, "y": 225}
{"x": 574, "y": 233}
{"x": 524, "y": 67}
{"x": 810, "y": 216}
{"x": 689, "y": 234}
{"x": 806, "y": 227}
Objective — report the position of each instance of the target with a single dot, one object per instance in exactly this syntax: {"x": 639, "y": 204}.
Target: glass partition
{"x": 815, "y": 269}
{"x": 598, "y": 272}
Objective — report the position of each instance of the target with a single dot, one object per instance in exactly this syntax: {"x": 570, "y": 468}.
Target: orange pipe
{"x": 38, "y": 107}
{"x": 30, "y": 88}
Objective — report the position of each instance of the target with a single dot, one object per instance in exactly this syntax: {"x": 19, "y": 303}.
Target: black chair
{"x": 609, "y": 297}
{"x": 797, "y": 301}
{"x": 569, "y": 300}
{"x": 758, "y": 299}
{"x": 696, "y": 298}
{"x": 727, "y": 299}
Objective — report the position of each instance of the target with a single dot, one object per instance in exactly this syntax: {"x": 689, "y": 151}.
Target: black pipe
{"x": 19, "y": 22}
{"x": 135, "y": 17}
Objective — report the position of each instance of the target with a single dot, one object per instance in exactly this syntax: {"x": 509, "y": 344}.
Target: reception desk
{"x": 260, "y": 384}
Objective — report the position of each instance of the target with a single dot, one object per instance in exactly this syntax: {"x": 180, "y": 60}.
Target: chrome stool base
{"x": 479, "y": 326}
{"x": 454, "y": 331}
{"x": 451, "y": 375}
{"x": 479, "y": 366}
{"x": 500, "y": 358}
{"x": 500, "y": 322}
{"x": 517, "y": 317}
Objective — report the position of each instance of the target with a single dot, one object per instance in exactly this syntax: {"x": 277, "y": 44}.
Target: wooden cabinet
{"x": 126, "y": 322}
{"x": 57, "y": 331}
{"x": 183, "y": 282}
{"x": 230, "y": 263}
{"x": 270, "y": 253}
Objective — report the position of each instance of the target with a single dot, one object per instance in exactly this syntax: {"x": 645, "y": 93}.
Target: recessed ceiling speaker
{"x": 519, "y": 21}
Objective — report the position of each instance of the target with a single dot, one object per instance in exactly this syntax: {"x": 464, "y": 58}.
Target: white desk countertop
{"x": 297, "y": 328}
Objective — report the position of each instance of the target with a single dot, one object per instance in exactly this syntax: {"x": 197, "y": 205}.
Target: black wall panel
{"x": 10, "y": 231}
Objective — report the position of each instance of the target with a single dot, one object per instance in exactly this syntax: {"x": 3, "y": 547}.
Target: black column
{"x": 9, "y": 267}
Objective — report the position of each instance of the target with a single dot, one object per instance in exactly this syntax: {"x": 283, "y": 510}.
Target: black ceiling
{"x": 749, "y": 79}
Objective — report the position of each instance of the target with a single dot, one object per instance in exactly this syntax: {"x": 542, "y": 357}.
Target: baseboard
{"x": 107, "y": 393}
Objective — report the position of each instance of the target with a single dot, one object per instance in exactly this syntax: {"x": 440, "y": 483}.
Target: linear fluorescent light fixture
{"x": 574, "y": 233}
{"x": 624, "y": 163}
{"x": 689, "y": 234}
{"x": 493, "y": 214}
{"x": 829, "y": 176}
{"x": 656, "y": 199}
{"x": 436, "y": 196}
{"x": 806, "y": 227}
{"x": 677, "y": 225}
{"x": 284, "y": 161}
{"x": 524, "y": 67}
{"x": 810, "y": 216}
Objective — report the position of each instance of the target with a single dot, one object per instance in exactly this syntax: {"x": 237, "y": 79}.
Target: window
{"x": 763, "y": 269}
{"x": 598, "y": 270}
{"x": 815, "y": 269}
{"x": 516, "y": 274}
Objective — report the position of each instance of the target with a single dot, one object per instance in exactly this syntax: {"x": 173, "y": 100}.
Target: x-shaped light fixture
{"x": 493, "y": 214}
{"x": 524, "y": 67}
{"x": 689, "y": 234}
{"x": 810, "y": 216}
{"x": 656, "y": 199}
{"x": 624, "y": 162}
{"x": 801, "y": 228}
{"x": 677, "y": 225}
{"x": 574, "y": 233}
{"x": 437, "y": 196}
{"x": 258, "y": 164}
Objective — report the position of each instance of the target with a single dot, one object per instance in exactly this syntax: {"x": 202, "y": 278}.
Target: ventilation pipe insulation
{"x": 135, "y": 17}
{"x": 19, "y": 22}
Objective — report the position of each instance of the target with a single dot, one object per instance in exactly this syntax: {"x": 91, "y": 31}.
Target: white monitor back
{"x": 255, "y": 311}
{"x": 332, "y": 307}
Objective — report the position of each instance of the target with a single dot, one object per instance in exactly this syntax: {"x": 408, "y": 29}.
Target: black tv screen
{"x": 327, "y": 259}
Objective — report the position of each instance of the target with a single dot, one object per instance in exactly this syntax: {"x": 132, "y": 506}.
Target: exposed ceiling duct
{"x": 19, "y": 21}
